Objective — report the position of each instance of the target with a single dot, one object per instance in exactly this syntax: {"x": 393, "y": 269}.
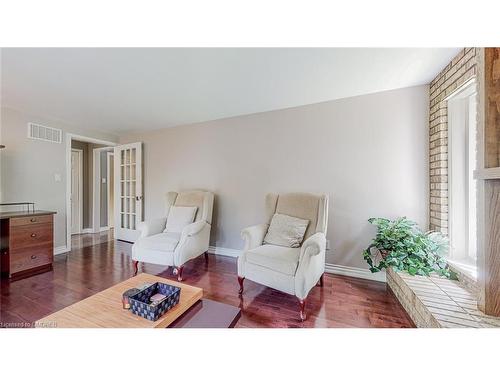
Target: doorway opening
{"x": 87, "y": 185}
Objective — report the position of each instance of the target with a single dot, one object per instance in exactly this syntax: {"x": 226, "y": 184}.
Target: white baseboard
{"x": 224, "y": 251}
{"x": 91, "y": 230}
{"x": 360, "y": 273}
{"x": 60, "y": 250}
{"x": 335, "y": 269}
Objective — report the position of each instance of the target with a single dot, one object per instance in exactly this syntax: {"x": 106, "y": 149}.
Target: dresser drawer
{"x": 30, "y": 235}
{"x": 30, "y": 257}
{"x": 29, "y": 220}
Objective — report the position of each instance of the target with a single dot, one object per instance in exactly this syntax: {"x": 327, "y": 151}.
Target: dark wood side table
{"x": 208, "y": 314}
{"x": 26, "y": 242}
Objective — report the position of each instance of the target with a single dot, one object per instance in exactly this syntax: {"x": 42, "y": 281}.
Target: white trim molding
{"x": 91, "y": 230}
{"x": 335, "y": 269}
{"x": 60, "y": 250}
{"x": 360, "y": 273}
{"x": 224, "y": 251}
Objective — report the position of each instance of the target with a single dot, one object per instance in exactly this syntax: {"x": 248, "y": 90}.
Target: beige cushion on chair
{"x": 286, "y": 231}
{"x": 277, "y": 258}
{"x": 179, "y": 217}
{"x": 194, "y": 199}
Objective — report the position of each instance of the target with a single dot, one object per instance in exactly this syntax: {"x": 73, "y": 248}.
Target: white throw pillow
{"x": 286, "y": 231}
{"x": 179, "y": 217}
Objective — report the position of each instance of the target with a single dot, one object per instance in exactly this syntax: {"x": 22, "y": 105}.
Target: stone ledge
{"x": 435, "y": 302}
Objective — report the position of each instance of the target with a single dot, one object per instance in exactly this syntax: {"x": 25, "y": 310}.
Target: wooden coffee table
{"x": 104, "y": 310}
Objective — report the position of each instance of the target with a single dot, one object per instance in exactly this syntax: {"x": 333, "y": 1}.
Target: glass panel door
{"x": 128, "y": 191}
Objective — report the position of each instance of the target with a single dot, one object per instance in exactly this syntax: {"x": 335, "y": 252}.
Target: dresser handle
{"x": 33, "y": 235}
{"x": 33, "y": 219}
{"x": 33, "y": 257}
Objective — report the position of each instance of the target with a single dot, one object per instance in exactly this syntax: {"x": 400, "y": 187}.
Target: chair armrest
{"x": 254, "y": 236}
{"x": 193, "y": 228}
{"x": 314, "y": 245}
{"x": 194, "y": 241}
{"x": 153, "y": 226}
{"x": 311, "y": 264}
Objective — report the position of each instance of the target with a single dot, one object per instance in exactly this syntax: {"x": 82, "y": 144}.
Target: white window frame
{"x": 467, "y": 252}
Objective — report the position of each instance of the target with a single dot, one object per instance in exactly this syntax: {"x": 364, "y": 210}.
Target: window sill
{"x": 467, "y": 275}
{"x": 467, "y": 269}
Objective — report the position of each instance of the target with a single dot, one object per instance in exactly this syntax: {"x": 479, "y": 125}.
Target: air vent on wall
{"x": 44, "y": 133}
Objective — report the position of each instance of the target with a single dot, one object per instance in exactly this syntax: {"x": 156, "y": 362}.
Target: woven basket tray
{"x": 140, "y": 305}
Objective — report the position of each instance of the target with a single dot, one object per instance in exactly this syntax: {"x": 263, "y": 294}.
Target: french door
{"x": 128, "y": 191}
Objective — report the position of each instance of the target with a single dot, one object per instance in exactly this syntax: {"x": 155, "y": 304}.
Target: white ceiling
{"x": 134, "y": 89}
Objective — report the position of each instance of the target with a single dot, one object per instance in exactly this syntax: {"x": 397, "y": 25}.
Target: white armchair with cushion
{"x": 181, "y": 235}
{"x": 287, "y": 252}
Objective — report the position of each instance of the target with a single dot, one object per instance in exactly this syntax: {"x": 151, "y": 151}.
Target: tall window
{"x": 462, "y": 188}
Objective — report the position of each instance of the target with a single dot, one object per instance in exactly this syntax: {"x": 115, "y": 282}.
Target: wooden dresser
{"x": 27, "y": 242}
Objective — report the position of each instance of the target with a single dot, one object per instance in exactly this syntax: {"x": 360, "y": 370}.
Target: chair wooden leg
{"x": 206, "y": 256}
{"x": 302, "y": 304}
{"x": 240, "y": 281}
{"x": 136, "y": 266}
{"x": 179, "y": 273}
{"x": 321, "y": 280}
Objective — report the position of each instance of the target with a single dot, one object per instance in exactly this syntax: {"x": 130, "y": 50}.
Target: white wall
{"x": 28, "y": 166}
{"x": 369, "y": 153}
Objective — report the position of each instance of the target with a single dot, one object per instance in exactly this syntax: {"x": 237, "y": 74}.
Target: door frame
{"x": 80, "y": 189}
{"x": 70, "y": 137}
{"x": 111, "y": 187}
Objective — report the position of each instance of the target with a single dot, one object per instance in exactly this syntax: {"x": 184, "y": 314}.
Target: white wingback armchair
{"x": 175, "y": 249}
{"x": 291, "y": 270}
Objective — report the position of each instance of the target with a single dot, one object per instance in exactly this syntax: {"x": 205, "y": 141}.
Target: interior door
{"x": 128, "y": 191}
{"x": 76, "y": 191}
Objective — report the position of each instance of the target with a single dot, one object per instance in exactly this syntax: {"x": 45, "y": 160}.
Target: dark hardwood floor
{"x": 98, "y": 262}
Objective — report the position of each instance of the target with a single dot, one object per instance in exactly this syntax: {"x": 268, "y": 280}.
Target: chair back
{"x": 307, "y": 206}
{"x": 204, "y": 200}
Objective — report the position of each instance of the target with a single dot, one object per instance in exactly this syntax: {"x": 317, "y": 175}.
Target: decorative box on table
{"x": 140, "y": 303}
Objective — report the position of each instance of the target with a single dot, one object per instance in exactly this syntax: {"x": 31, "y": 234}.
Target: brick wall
{"x": 461, "y": 69}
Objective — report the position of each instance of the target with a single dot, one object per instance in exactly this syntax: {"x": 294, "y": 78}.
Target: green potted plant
{"x": 400, "y": 244}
